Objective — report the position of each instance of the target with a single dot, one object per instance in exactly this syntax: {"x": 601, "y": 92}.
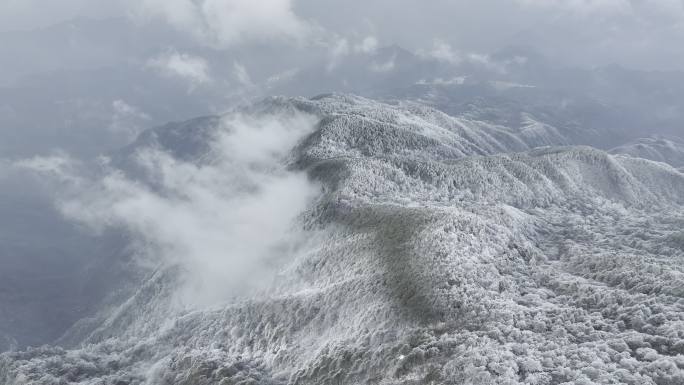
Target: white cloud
{"x": 127, "y": 120}
{"x": 228, "y": 22}
{"x": 282, "y": 76}
{"x": 367, "y": 45}
{"x": 387, "y": 66}
{"x": 193, "y": 69}
{"x": 635, "y": 33}
{"x": 52, "y": 164}
{"x": 458, "y": 80}
{"x": 240, "y": 73}
{"x": 485, "y": 61}
{"x": 223, "y": 221}
{"x": 443, "y": 51}
{"x": 58, "y": 166}
{"x": 338, "y": 48}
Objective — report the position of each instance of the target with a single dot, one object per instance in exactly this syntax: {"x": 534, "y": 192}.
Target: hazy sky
{"x": 635, "y": 33}
{"x": 119, "y": 66}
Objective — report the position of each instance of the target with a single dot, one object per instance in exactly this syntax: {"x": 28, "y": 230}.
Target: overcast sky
{"x": 115, "y": 67}
{"x": 645, "y": 34}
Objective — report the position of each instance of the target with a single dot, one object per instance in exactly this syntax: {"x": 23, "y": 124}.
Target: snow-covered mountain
{"x": 434, "y": 249}
{"x": 667, "y": 150}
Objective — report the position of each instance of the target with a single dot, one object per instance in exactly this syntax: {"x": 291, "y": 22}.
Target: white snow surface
{"x": 662, "y": 149}
{"x": 440, "y": 251}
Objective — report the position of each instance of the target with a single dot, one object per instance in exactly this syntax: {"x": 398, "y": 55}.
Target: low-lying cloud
{"x": 225, "y": 220}
{"x": 643, "y": 34}
{"x": 227, "y": 22}
{"x": 192, "y": 69}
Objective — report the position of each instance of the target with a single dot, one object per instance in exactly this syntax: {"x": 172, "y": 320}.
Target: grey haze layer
{"x": 438, "y": 249}
{"x": 103, "y": 89}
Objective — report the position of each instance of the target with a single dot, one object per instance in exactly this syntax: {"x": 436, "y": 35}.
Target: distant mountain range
{"x": 661, "y": 149}
{"x": 102, "y": 101}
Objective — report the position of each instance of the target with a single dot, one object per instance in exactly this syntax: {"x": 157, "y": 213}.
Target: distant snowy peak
{"x": 414, "y": 144}
{"x": 406, "y": 150}
{"x": 540, "y": 134}
{"x": 661, "y": 149}
{"x": 456, "y": 136}
{"x": 366, "y": 127}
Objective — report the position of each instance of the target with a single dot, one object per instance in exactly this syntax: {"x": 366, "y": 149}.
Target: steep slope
{"x": 439, "y": 250}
